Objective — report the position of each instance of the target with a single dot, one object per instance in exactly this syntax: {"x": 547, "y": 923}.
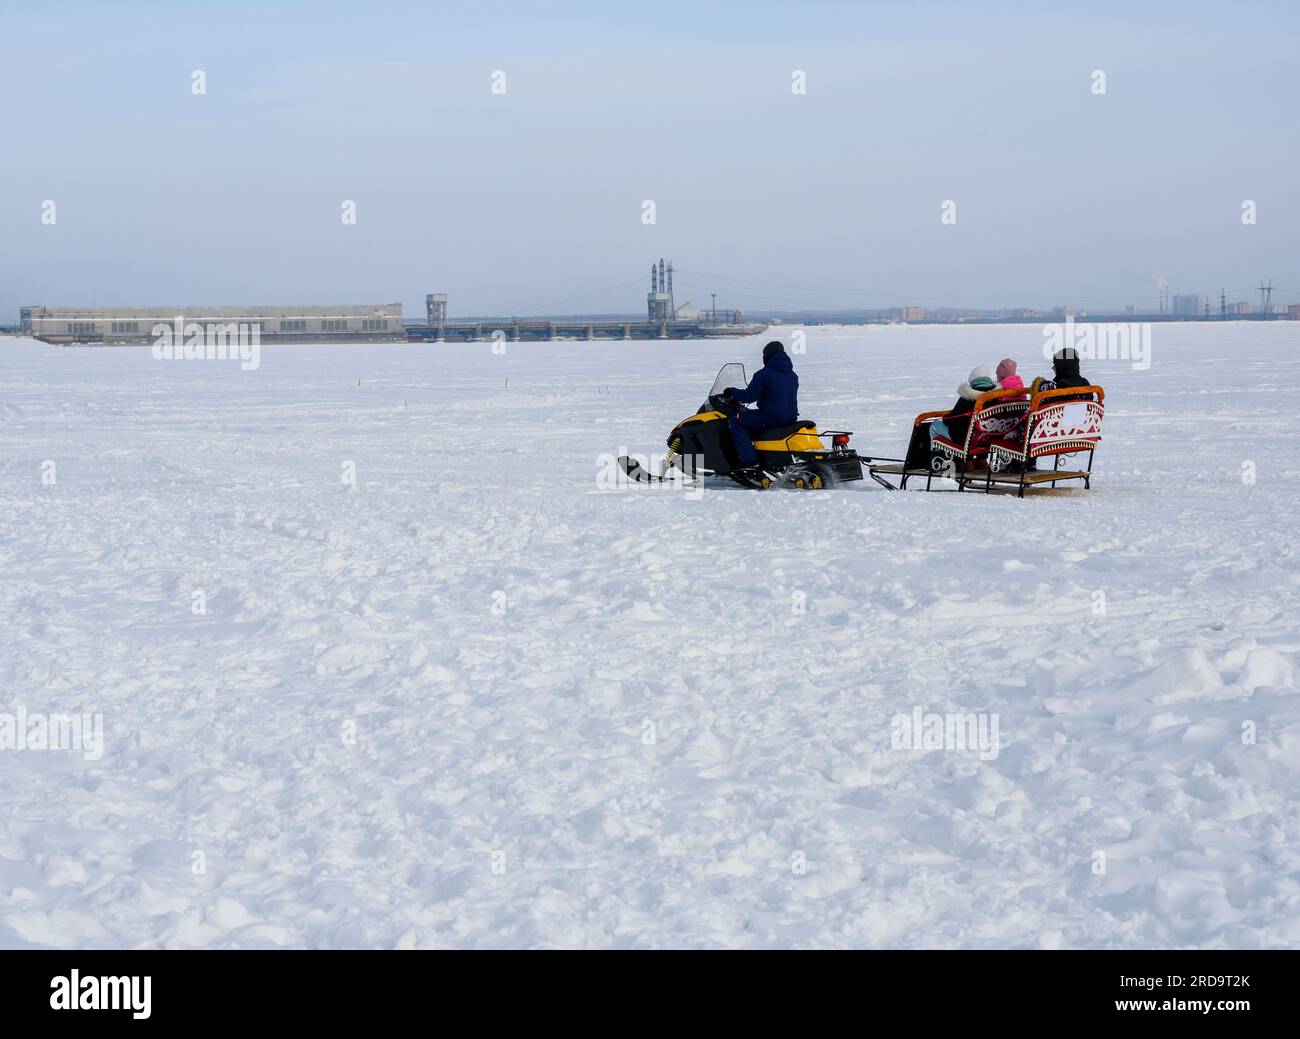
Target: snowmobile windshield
{"x": 729, "y": 375}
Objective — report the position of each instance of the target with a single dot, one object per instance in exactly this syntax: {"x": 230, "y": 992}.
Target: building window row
{"x": 84, "y": 328}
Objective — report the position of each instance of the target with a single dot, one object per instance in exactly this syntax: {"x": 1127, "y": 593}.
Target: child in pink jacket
{"x": 1007, "y": 377}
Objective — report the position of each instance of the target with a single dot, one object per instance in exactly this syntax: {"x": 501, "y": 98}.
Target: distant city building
{"x": 1192, "y": 305}
{"x": 907, "y": 314}
{"x": 1240, "y": 308}
{"x": 1024, "y": 312}
{"x": 1293, "y": 311}
{"x": 1064, "y": 312}
{"x": 352, "y": 322}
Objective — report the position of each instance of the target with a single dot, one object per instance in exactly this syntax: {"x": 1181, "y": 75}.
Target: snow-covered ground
{"x": 478, "y": 701}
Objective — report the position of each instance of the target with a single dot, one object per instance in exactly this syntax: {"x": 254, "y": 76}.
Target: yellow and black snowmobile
{"x": 794, "y": 455}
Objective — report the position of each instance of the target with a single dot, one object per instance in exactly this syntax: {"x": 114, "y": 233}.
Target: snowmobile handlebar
{"x": 723, "y": 402}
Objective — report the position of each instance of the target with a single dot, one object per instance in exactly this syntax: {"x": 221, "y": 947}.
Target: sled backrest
{"x": 996, "y": 414}
{"x": 1065, "y": 420}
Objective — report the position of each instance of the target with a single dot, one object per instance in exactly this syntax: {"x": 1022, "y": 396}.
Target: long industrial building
{"x": 347, "y": 323}
{"x": 663, "y": 321}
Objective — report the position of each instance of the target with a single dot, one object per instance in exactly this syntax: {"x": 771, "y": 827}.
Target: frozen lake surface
{"x": 474, "y": 700}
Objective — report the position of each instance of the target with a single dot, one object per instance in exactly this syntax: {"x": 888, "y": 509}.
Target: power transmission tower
{"x": 1223, "y": 305}
{"x": 1266, "y": 297}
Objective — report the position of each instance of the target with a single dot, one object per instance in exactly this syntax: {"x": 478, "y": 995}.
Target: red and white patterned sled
{"x": 1007, "y": 434}
{"x": 1059, "y": 422}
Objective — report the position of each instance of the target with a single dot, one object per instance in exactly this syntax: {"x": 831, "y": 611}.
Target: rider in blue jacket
{"x": 775, "y": 389}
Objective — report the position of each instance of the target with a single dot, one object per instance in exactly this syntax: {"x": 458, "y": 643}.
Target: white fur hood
{"x": 968, "y": 392}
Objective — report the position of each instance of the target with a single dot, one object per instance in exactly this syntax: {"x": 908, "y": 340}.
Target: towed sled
{"x": 794, "y": 455}
{"x": 1008, "y": 433}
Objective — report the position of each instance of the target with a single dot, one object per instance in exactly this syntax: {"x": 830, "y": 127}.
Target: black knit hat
{"x": 772, "y": 349}
{"x": 1066, "y": 361}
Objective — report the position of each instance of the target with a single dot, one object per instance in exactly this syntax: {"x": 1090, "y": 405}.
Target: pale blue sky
{"x": 531, "y": 202}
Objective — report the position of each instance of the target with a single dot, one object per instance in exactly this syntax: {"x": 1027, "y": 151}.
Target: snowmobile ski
{"x": 638, "y": 473}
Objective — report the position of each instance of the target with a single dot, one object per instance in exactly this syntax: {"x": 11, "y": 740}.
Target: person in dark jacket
{"x": 775, "y": 390}
{"x": 1065, "y": 374}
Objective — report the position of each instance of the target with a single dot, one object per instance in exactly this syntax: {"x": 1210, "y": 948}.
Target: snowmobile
{"x": 792, "y": 455}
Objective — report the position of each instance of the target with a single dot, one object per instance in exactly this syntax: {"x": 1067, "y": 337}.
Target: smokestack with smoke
{"x": 1163, "y": 286}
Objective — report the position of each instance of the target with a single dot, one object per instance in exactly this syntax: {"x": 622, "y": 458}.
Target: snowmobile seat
{"x": 781, "y": 432}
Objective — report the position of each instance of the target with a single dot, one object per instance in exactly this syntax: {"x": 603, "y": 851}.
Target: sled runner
{"x": 794, "y": 455}
{"x": 1005, "y": 439}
